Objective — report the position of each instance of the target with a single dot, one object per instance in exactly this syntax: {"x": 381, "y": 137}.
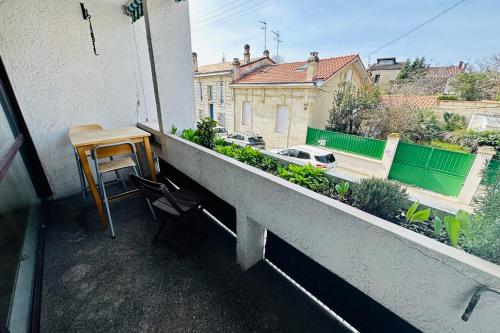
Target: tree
{"x": 413, "y": 69}
{"x": 350, "y": 106}
{"x": 474, "y": 86}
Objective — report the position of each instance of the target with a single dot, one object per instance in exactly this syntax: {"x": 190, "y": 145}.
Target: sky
{"x": 468, "y": 32}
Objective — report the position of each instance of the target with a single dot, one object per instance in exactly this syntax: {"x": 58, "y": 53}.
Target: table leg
{"x": 93, "y": 188}
{"x": 149, "y": 156}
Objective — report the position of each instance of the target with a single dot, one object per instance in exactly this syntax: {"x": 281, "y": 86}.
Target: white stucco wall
{"x": 425, "y": 282}
{"x": 171, "y": 41}
{"x": 59, "y": 82}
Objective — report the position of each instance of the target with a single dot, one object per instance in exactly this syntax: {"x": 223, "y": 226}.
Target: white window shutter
{"x": 247, "y": 114}
{"x": 282, "y": 119}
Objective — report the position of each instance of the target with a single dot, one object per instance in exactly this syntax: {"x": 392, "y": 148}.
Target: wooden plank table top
{"x": 106, "y": 136}
{"x": 85, "y": 141}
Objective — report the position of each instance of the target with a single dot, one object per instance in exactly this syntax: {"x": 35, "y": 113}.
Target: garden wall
{"x": 427, "y": 283}
{"x": 467, "y": 108}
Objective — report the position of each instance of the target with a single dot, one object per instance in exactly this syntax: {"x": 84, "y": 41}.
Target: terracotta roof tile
{"x": 221, "y": 67}
{"x": 446, "y": 72}
{"x": 416, "y": 101}
{"x": 290, "y": 73}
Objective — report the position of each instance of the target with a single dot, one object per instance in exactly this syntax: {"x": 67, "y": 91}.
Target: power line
{"x": 214, "y": 9}
{"x": 264, "y": 27}
{"x": 233, "y": 16}
{"x": 227, "y": 10}
{"x": 415, "y": 28}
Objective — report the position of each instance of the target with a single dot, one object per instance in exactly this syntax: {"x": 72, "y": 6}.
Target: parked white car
{"x": 316, "y": 156}
{"x": 247, "y": 139}
{"x": 220, "y": 131}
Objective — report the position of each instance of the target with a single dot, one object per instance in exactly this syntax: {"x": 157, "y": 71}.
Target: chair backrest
{"x": 153, "y": 191}
{"x": 113, "y": 149}
{"x": 83, "y": 128}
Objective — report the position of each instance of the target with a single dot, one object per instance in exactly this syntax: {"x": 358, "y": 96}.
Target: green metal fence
{"x": 350, "y": 143}
{"x": 430, "y": 168}
{"x": 492, "y": 173}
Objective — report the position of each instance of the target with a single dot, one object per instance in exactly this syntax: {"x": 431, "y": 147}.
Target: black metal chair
{"x": 179, "y": 205}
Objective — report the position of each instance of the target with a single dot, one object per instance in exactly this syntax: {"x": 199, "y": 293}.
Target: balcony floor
{"x": 94, "y": 283}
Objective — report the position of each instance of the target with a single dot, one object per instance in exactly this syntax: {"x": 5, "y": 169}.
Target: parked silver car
{"x": 247, "y": 139}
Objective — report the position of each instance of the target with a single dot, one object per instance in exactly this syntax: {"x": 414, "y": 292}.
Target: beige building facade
{"x": 281, "y": 101}
{"x": 213, "y": 95}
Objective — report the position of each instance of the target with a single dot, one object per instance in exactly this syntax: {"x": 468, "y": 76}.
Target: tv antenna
{"x": 278, "y": 42}
{"x": 264, "y": 27}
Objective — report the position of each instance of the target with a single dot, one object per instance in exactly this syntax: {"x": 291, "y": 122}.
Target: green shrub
{"x": 484, "y": 238}
{"x": 448, "y": 98}
{"x": 472, "y": 139}
{"x": 249, "y": 156}
{"x": 379, "y": 197}
{"x": 227, "y": 150}
{"x": 306, "y": 176}
{"x": 206, "y": 131}
{"x": 448, "y": 146}
{"x": 453, "y": 121}
{"x": 191, "y": 135}
{"x": 473, "y": 86}
{"x": 173, "y": 130}
{"x": 268, "y": 165}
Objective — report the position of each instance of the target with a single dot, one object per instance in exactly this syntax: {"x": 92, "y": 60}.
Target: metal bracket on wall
{"x": 475, "y": 298}
{"x": 86, "y": 16}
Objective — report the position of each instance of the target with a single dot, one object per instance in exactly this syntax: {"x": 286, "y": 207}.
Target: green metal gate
{"x": 434, "y": 169}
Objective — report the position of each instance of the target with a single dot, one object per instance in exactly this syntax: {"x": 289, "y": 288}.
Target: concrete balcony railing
{"x": 427, "y": 283}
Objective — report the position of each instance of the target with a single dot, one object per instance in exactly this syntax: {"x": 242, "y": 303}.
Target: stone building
{"x": 213, "y": 96}
{"x": 279, "y": 101}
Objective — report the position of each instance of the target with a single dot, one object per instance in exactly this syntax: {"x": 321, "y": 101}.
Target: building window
{"x": 348, "y": 76}
{"x": 200, "y": 87}
{"x": 377, "y": 78}
{"x": 221, "y": 93}
{"x": 246, "y": 118}
{"x": 282, "y": 119}
{"x": 210, "y": 93}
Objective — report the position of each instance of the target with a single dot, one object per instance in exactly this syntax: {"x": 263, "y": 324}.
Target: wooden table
{"x": 85, "y": 141}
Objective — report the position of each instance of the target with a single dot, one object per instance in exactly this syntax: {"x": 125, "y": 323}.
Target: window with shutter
{"x": 246, "y": 118}
{"x": 282, "y": 119}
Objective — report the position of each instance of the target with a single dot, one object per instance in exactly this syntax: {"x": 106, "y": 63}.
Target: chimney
{"x": 246, "y": 54}
{"x": 265, "y": 53}
{"x": 195, "y": 62}
{"x": 460, "y": 64}
{"x": 312, "y": 66}
{"x": 236, "y": 69}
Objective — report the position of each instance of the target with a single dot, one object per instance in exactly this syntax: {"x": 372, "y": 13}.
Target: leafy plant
{"x": 453, "y": 121}
{"x": 173, "y": 129}
{"x": 191, "y": 135}
{"x": 248, "y": 155}
{"x": 268, "y": 164}
{"x": 474, "y": 86}
{"x": 457, "y": 225}
{"x": 219, "y": 141}
{"x": 448, "y": 98}
{"x": 379, "y": 197}
{"x": 342, "y": 189}
{"x": 448, "y": 146}
{"x": 438, "y": 225}
{"x": 306, "y": 176}
{"x": 413, "y": 69}
{"x": 413, "y": 216}
{"x": 206, "y": 131}
{"x": 350, "y": 106}
{"x": 230, "y": 150}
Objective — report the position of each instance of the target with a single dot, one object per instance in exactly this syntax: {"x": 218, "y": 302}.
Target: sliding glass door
{"x": 19, "y": 222}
